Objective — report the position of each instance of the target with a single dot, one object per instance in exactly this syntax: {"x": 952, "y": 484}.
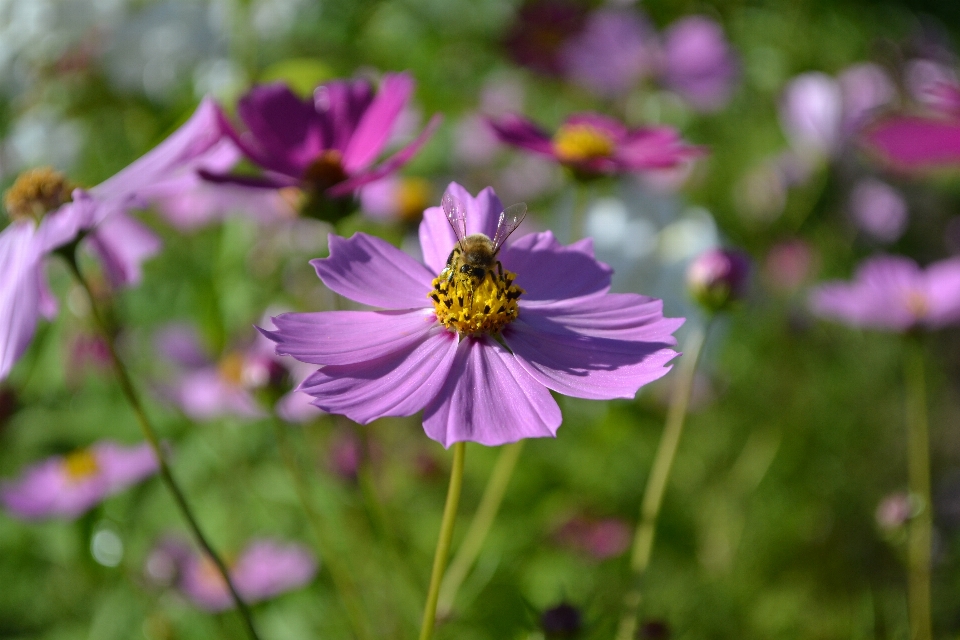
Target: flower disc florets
{"x": 580, "y": 142}
{"x": 35, "y": 193}
{"x": 468, "y": 307}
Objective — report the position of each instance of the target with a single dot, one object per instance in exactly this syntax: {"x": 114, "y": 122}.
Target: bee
{"x": 475, "y": 255}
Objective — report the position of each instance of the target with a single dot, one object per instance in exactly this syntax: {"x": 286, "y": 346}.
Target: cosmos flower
{"x": 326, "y": 145}
{"x": 698, "y": 63}
{"x": 44, "y": 219}
{"x": 893, "y": 293}
{"x": 718, "y": 277}
{"x": 264, "y": 569}
{"x": 67, "y": 486}
{"x": 479, "y": 357}
{"x": 206, "y": 389}
{"x": 593, "y": 145}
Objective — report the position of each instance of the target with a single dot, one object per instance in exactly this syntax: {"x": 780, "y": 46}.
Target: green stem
{"x": 443, "y": 543}
{"x": 150, "y": 434}
{"x": 920, "y": 528}
{"x": 579, "y": 216}
{"x": 657, "y": 481}
{"x": 480, "y": 526}
{"x": 342, "y": 582}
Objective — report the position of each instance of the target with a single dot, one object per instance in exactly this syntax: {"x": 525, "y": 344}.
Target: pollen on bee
{"x": 471, "y": 307}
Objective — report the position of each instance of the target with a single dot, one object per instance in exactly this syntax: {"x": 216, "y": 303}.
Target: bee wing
{"x": 456, "y": 216}
{"x": 510, "y": 219}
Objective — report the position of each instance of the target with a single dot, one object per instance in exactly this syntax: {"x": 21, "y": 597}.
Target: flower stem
{"x": 579, "y": 217}
{"x": 480, "y": 526}
{"x": 342, "y": 582}
{"x": 920, "y": 528}
{"x": 443, "y": 543}
{"x": 150, "y": 434}
{"x": 657, "y": 481}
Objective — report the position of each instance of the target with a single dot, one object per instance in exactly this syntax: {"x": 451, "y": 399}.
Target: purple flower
{"x": 208, "y": 389}
{"x": 878, "y": 209}
{"x": 266, "y": 568}
{"x": 699, "y": 64}
{"x": 616, "y": 48}
{"x": 67, "y": 486}
{"x": 892, "y": 293}
{"x": 811, "y": 112}
{"x": 718, "y": 277}
{"x": 916, "y": 142}
{"x": 539, "y": 32}
{"x": 436, "y": 345}
{"x": 328, "y": 144}
{"x": 594, "y": 145}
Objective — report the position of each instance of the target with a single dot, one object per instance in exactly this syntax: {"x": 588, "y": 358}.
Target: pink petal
{"x": 205, "y": 395}
{"x": 520, "y": 132}
{"x": 124, "y": 466}
{"x": 943, "y": 293}
{"x": 585, "y": 366}
{"x": 876, "y": 298}
{"x": 917, "y": 143}
{"x": 388, "y": 166}
{"x": 437, "y": 237}
{"x": 349, "y": 337}
{"x": 373, "y": 272}
{"x": 619, "y": 316}
{"x": 123, "y": 244}
{"x": 490, "y": 399}
{"x": 397, "y": 384}
{"x": 548, "y": 271}
{"x": 374, "y": 128}
{"x": 268, "y": 568}
{"x": 612, "y": 128}
{"x": 20, "y": 292}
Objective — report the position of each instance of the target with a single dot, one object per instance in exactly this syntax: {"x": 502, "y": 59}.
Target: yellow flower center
{"x": 469, "y": 305}
{"x": 231, "y": 368}
{"x": 325, "y": 171}
{"x": 917, "y": 304}
{"x": 80, "y": 465}
{"x": 35, "y": 193}
{"x": 580, "y": 142}
{"x": 412, "y": 198}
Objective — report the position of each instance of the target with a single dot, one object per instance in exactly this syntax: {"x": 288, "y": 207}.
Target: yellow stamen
{"x": 231, "y": 368}
{"x": 412, "y": 198}
{"x": 35, "y": 193}
{"x": 469, "y": 307}
{"x": 80, "y": 465}
{"x": 580, "y": 142}
{"x": 326, "y": 170}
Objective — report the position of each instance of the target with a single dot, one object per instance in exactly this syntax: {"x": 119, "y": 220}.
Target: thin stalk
{"x": 659, "y": 474}
{"x": 579, "y": 216}
{"x": 920, "y": 528}
{"x": 150, "y": 434}
{"x": 479, "y": 527}
{"x": 443, "y": 543}
{"x": 342, "y": 582}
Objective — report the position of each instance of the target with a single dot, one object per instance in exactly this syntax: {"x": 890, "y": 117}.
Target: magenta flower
{"x": 436, "y": 344}
{"x": 699, "y": 64}
{"x": 894, "y": 294}
{"x": 266, "y": 568}
{"x": 718, "y": 277}
{"x": 67, "y": 486}
{"x": 594, "y": 145}
{"x": 326, "y": 145}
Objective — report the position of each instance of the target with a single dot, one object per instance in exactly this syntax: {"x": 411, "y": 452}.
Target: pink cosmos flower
{"x": 594, "y": 145}
{"x": 478, "y": 354}
{"x": 327, "y": 144}
{"x": 878, "y": 209}
{"x": 892, "y": 293}
{"x": 699, "y": 64}
{"x": 921, "y": 141}
{"x": 43, "y": 221}
{"x": 266, "y": 568}
{"x": 67, "y": 486}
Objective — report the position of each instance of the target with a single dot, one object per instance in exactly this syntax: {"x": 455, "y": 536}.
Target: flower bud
{"x": 718, "y": 277}
{"x": 561, "y": 621}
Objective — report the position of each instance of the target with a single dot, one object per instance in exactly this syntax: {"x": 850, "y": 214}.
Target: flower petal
{"x": 878, "y": 297}
{"x": 520, "y": 132}
{"x": 437, "y": 237}
{"x": 371, "y": 271}
{"x": 618, "y": 316}
{"x": 655, "y": 148}
{"x": 123, "y": 244}
{"x": 340, "y": 105}
{"x": 548, "y": 271}
{"x": 389, "y": 165}
{"x": 373, "y": 129}
{"x": 20, "y": 292}
{"x": 490, "y": 399}
{"x": 916, "y": 143}
{"x": 284, "y": 126}
{"x": 943, "y": 293}
{"x": 205, "y": 395}
{"x": 348, "y": 337}
{"x": 396, "y": 384}
{"x": 586, "y": 366}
